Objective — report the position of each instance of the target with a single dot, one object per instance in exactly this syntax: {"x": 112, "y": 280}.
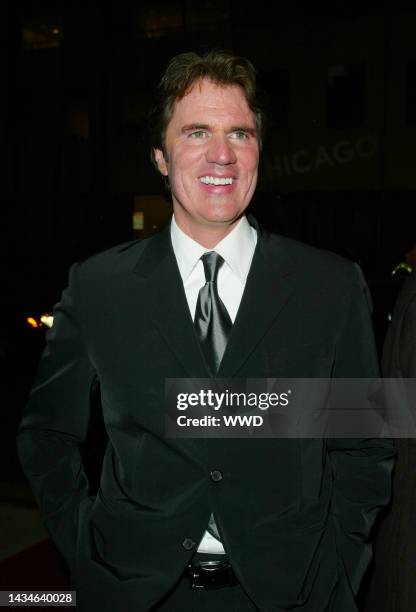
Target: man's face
{"x": 212, "y": 157}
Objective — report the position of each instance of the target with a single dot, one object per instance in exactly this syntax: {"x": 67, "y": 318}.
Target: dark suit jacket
{"x": 295, "y": 515}
{"x": 393, "y": 584}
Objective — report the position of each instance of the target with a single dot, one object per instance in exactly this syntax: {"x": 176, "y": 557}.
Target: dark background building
{"x": 338, "y": 168}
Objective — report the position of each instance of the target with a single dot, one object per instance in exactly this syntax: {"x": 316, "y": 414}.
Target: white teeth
{"x": 213, "y": 180}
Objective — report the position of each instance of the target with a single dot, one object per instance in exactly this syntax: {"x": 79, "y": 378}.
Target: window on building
{"x": 276, "y": 84}
{"x": 411, "y": 93}
{"x": 346, "y": 96}
{"x": 42, "y": 34}
{"x": 205, "y": 15}
{"x": 150, "y": 213}
{"x": 160, "y": 19}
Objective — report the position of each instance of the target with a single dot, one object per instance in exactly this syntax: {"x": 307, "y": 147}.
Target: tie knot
{"x": 212, "y": 263}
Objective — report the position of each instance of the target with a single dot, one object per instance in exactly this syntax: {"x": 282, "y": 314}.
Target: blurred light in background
{"x": 32, "y": 322}
{"x": 45, "y": 319}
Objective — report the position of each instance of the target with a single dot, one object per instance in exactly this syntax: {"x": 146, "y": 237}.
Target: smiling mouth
{"x": 215, "y": 180}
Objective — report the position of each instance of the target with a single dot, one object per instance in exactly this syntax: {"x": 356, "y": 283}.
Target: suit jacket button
{"x": 188, "y": 544}
{"x": 216, "y": 475}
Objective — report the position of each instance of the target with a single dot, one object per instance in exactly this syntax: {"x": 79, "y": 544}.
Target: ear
{"x": 161, "y": 161}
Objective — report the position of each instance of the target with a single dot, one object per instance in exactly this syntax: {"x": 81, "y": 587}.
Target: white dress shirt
{"x": 237, "y": 250}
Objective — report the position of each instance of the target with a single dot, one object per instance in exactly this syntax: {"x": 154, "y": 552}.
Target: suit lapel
{"x": 268, "y": 287}
{"x": 168, "y": 307}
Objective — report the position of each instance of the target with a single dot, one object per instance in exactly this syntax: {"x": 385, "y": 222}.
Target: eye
{"x": 198, "y": 134}
{"x": 239, "y": 135}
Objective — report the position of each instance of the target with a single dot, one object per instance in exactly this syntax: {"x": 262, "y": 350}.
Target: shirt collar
{"x": 237, "y": 249}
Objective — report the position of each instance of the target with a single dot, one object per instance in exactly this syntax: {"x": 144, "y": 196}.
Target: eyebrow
{"x": 244, "y": 128}
{"x": 204, "y": 126}
{"x": 195, "y": 126}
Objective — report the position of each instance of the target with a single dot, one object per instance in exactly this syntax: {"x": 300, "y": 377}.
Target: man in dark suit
{"x": 393, "y": 585}
{"x": 205, "y": 524}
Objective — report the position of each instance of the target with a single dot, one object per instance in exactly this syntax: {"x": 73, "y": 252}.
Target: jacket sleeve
{"x": 361, "y": 468}
{"x": 55, "y": 424}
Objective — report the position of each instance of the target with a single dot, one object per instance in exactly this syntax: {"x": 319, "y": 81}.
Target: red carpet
{"x": 36, "y": 568}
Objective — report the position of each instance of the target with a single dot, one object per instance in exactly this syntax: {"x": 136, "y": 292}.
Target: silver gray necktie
{"x": 212, "y": 321}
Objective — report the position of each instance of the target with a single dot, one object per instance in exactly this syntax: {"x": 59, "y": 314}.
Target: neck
{"x": 207, "y": 236}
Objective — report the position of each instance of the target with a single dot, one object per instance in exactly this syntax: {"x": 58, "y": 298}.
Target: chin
{"x": 223, "y": 213}
{"x": 221, "y": 219}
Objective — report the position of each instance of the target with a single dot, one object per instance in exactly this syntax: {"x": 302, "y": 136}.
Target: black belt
{"x": 213, "y": 574}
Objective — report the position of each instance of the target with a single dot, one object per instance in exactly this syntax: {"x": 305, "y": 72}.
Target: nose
{"x": 220, "y": 150}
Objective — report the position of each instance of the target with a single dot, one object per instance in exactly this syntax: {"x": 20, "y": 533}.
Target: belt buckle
{"x": 195, "y": 577}
{"x": 211, "y": 574}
